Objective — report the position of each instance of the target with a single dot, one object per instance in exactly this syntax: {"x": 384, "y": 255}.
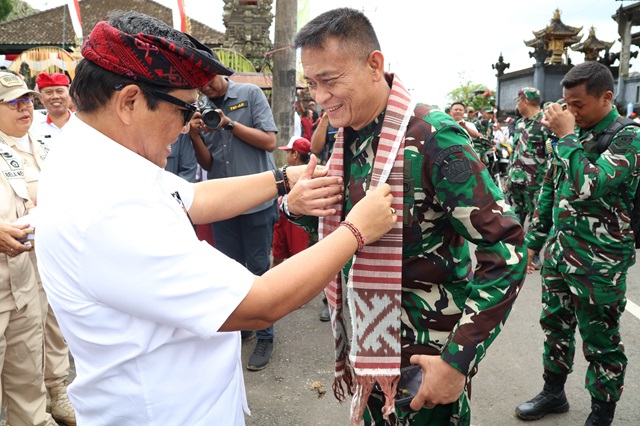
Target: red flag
{"x": 179, "y": 18}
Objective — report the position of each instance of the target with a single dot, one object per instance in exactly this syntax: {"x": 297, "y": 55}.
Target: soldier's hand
{"x": 441, "y": 383}
{"x": 559, "y": 120}
{"x": 530, "y": 267}
{"x": 313, "y": 193}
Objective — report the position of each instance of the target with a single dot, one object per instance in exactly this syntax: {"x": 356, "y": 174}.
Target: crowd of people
{"x": 107, "y": 266}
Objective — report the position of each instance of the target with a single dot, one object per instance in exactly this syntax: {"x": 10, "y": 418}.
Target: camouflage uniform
{"x": 582, "y": 216}
{"x": 449, "y": 199}
{"x": 528, "y": 165}
{"x": 485, "y": 128}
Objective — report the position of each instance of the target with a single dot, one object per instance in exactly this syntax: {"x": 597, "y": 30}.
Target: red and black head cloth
{"x": 151, "y": 59}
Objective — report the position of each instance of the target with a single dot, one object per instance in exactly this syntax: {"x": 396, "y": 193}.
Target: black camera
{"x": 210, "y": 116}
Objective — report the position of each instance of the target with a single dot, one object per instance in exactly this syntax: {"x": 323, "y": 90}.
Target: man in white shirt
{"x": 150, "y": 313}
{"x": 54, "y": 94}
{"x": 457, "y": 112}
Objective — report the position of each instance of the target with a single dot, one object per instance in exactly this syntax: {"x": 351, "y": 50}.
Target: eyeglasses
{"x": 26, "y": 101}
{"x": 188, "y": 111}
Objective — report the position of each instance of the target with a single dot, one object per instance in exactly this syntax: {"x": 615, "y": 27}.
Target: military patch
{"x": 621, "y": 144}
{"x": 243, "y": 104}
{"x": 457, "y": 171}
{"x": 446, "y": 152}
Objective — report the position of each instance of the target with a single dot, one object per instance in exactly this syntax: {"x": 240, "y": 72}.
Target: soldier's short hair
{"x": 350, "y": 26}
{"x": 597, "y": 77}
{"x": 458, "y": 103}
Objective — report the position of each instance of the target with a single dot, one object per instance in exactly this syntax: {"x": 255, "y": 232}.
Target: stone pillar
{"x": 538, "y": 77}
{"x": 624, "y": 30}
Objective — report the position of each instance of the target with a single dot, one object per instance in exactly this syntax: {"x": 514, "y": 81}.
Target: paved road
{"x": 281, "y": 395}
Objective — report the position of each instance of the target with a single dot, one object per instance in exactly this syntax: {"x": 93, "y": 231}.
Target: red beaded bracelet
{"x": 356, "y": 233}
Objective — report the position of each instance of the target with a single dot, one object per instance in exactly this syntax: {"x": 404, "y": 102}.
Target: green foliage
{"x": 472, "y": 94}
{"x": 19, "y": 9}
{"x": 5, "y": 9}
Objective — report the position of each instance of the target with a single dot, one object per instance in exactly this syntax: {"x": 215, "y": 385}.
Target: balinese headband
{"x": 151, "y": 59}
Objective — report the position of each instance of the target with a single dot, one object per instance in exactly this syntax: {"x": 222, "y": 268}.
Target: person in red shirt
{"x": 289, "y": 239}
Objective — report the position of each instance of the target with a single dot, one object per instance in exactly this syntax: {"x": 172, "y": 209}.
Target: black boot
{"x": 551, "y": 400}
{"x": 601, "y": 413}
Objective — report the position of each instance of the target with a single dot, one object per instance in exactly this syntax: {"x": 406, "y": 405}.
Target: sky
{"x": 436, "y": 47}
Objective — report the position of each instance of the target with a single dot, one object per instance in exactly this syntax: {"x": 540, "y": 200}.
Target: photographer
{"x": 241, "y": 144}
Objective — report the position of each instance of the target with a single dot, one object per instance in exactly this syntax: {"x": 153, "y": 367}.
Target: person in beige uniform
{"x": 22, "y": 379}
{"x": 15, "y": 120}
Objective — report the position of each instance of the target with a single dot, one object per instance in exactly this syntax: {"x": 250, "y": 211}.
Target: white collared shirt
{"x": 138, "y": 297}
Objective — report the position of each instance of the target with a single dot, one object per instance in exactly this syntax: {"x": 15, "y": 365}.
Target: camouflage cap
{"x": 528, "y": 93}
{"x": 488, "y": 109}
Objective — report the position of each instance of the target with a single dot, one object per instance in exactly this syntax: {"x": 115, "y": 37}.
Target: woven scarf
{"x": 375, "y": 277}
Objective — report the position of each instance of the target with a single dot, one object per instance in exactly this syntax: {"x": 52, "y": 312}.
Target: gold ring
{"x": 393, "y": 211}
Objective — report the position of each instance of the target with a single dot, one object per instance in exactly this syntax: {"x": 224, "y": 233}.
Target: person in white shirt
{"x": 151, "y": 314}
{"x": 54, "y": 95}
{"x": 457, "y": 112}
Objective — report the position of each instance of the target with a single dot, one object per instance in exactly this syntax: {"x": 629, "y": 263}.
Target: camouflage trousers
{"x": 568, "y": 301}
{"x": 523, "y": 200}
{"x": 455, "y": 414}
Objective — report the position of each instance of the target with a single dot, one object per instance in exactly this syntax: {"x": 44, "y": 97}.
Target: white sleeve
{"x": 142, "y": 257}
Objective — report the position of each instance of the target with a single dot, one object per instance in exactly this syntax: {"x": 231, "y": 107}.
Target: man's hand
{"x": 560, "y": 121}
{"x": 441, "y": 383}
{"x": 9, "y": 239}
{"x": 312, "y": 191}
{"x": 530, "y": 267}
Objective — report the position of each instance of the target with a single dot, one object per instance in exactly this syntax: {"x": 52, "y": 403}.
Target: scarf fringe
{"x": 389, "y": 386}
{"x": 340, "y": 382}
{"x": 364, "y": 387}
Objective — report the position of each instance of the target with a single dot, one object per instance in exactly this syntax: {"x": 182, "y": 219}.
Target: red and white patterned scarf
{"x": 375, "y": 278}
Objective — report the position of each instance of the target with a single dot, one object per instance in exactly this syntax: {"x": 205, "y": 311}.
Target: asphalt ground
{"x": 295, "y": 389}
{"x": 290, "y": 391}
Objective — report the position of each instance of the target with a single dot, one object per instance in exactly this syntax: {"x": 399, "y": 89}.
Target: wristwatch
{"x": 229, "y": 127}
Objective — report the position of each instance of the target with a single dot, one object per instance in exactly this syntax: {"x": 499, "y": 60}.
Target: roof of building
{"x": 53, "y": 27}
{"x": 262, "y": 80}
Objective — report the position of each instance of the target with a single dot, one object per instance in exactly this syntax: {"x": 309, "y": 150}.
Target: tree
{"x": 5, "y": 9}
{"x": 471, "y": 94}
{"x": 19, "y": 9}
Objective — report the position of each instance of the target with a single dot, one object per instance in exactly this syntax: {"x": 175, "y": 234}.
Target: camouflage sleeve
{"x": 476, "y": 209}
{"x": 611, "y": 169}
{"x": 542, "y": 217}
{"x": 308, "y": 223}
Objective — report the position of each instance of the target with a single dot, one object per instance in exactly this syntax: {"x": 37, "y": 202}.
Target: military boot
{"x": 601, "y": 413}
{"x": 551, "y": 400}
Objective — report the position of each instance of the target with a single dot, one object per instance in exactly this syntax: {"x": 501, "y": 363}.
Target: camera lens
{"x": 211, "y": 118}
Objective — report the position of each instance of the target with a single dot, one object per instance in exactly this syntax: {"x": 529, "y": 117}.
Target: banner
{"x": 179, "y": 18}
{"x": 76, "y": 20}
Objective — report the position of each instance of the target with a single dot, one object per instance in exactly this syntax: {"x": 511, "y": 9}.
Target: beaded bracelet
{"x": 282, "y": 189}
{"x": 287, "y": 187}
{"x": 356, "y": 233}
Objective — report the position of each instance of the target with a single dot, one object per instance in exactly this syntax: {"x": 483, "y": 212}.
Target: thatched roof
{"x": 53, "y": 27}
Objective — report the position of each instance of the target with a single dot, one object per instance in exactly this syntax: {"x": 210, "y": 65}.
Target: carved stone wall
{"x": 247, "y": 24}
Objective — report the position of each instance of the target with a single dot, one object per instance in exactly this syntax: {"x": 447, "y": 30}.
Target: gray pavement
{"x": 285, "y": 394}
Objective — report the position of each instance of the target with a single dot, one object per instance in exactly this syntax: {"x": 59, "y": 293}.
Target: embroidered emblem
{"x": 457, "y": 171}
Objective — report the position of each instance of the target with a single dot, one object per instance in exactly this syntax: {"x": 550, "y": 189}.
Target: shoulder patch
{"x": 621, "y": 144}
{"x": 457, "y": 171}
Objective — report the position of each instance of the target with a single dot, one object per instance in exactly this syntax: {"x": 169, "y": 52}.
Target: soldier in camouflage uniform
{"x": 529, "y": 160}
{"x": 448, "y": 310}
{"x": 583, "y": 217}
{"x": 484, "y": 126}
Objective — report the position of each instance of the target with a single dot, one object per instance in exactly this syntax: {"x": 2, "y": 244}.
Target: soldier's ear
{"x": 375, "y": 61}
